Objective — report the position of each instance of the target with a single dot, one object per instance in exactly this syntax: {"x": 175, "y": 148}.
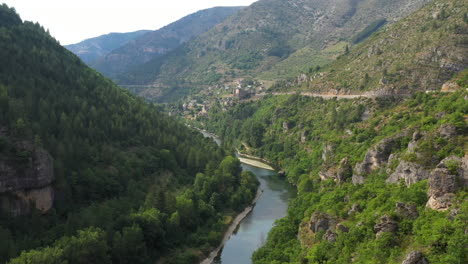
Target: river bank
{"x": 232, "y": 228}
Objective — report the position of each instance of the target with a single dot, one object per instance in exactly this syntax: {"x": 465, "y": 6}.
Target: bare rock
{"x": 376, "y": 157}
{"x": 406, "y": 210}
{"x": 358, "y": 179}
{"x": 386, "y": 225}
{"x": 345, "y": 171}
{"x": 450, "y": 87}
{"x": 34, "y": 169}
{"x": 286, "y": 126}
{"x": 415, "y": 257}
{"x": 447, "y": 131}
{"x": 321, "y": 221}
{"x": 355, "y": 208}
{"x": 330, "y": 236}
{"x": 414, "y": 142}
{"x": 326, "y": 174}
{"x": 454, "y": 213}
{"x": 339, "y": 174}
{"x": 304, "y": 135}
{"x": 410, "y": 172}
{"x": 25, "y": 179}
{"x": 450, "y": 175}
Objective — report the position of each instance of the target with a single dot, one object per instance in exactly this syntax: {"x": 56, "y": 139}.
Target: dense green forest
{"x": 309, "y": 137}
{"x": 131, "y": 184}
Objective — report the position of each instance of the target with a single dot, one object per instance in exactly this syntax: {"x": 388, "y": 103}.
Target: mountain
{"x": 156, "y": 43}
{"x": 91, "y": 49}
{"x": 420, "y": 52}
{"x": 91, "y": 174}
{"x": 263, "y": 35}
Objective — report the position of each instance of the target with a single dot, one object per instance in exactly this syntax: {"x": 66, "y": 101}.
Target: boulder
{"x": 450, "y": 175}
{"x": 415, "y": 257}
{"x": 406, "y": 210}
{"x": 386, "y": 224}
{"x": 410, "y": 172}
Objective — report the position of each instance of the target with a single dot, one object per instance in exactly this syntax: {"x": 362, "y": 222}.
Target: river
{"x": 252, "y": 232}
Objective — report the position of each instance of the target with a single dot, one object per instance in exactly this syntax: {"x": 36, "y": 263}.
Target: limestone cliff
{"x": 26, "y": 175}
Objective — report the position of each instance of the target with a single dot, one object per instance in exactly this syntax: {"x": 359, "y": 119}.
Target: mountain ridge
{"x": 161, "y": 41}
{"x": 93, "y": 48}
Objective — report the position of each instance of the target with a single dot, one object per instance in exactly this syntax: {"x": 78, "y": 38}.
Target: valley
{"x": 299, "y": 131}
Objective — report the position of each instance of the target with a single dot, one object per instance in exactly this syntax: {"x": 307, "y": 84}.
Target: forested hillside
{"x": 92, "y": 174}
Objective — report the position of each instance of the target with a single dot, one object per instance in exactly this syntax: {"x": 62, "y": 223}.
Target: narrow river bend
{"x": 252, "y": 232}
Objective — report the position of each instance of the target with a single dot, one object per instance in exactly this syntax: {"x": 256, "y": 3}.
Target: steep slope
{"x": 267, "y": 32}
{"x": 113, "y": 179}
{"x": 159, "y": 42}
{"x": 420, "y": 52}
{"x": 379, "y": 180}
{"x": 90, "y": 50}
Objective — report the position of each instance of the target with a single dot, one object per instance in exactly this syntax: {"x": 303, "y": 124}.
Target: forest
{"x": 131, "y": 184}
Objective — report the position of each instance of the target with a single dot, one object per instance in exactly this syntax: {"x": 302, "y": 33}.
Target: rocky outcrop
{"x": 22, "y": 201}
{"x": 447, "y": 131}
{"x": 386, "y": 224}
{"x": 414, "y": 142}
{"x": 345, "y": 171}
{"x": 304, "y": 135}
{"x": 450, "y": 87}
{"x": 26, "y": 175}
{"x": 330, "y": 236}
{"x": 355, "y": 208}
{"x": 415, "y": 257}
{"x": 321, "y": 222}
{"x": 327, "y": 152}
{"x": 376, "y": 157}
{"x": 339, "y": 174}
{"x": 286, "y": 126}
{"x": 406, "y": 210}
{"x": 410, "y": 172}
{"x": 318, "y": 222}
{"x": 450, "y": 175}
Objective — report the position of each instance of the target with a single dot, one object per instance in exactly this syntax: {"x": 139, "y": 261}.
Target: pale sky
{"x": 71, "y": 21}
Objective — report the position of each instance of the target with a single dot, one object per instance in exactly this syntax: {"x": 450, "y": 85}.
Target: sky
{"x": 71, "y": 21}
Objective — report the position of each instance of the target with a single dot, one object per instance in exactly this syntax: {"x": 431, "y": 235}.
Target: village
{"x": 225, "y": 95}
